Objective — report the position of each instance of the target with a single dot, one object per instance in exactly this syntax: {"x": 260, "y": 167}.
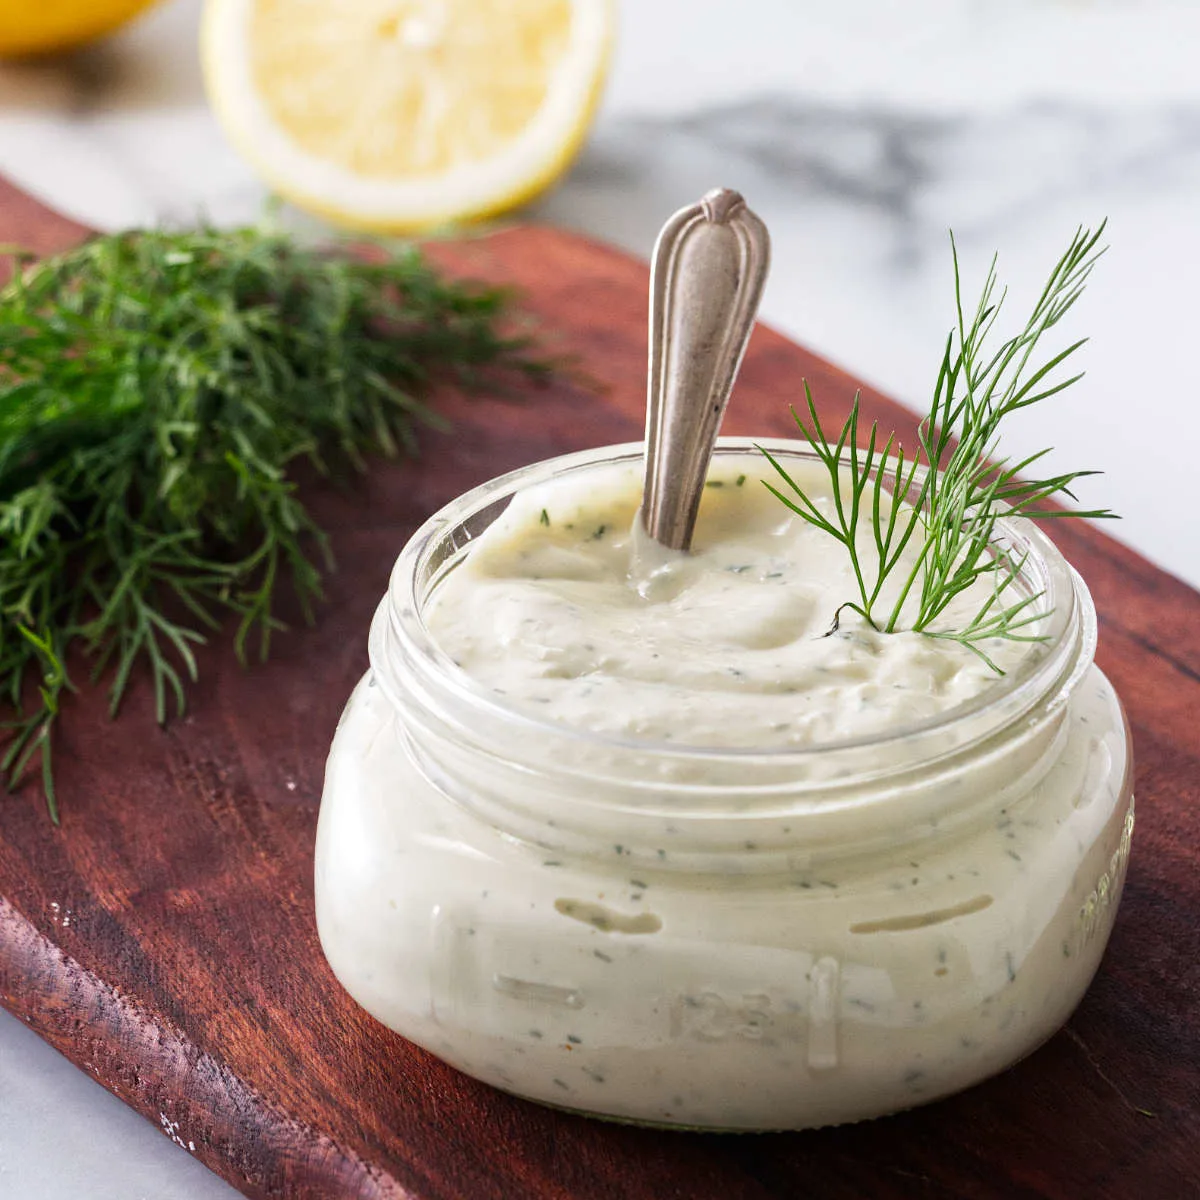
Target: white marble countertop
{"x": 861, "y": 132}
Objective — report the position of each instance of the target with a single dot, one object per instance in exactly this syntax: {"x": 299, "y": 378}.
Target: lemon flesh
{"x": 402, "y": 114}
{"x": 47, "y": 26}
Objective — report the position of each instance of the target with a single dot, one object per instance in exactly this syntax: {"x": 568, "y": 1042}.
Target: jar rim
{"x": 1044, "y": 679}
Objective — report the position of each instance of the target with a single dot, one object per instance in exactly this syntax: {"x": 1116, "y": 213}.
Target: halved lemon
{"x": 399, "y": 115}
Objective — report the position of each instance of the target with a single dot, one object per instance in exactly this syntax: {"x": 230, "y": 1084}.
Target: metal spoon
{"x": 706, "y": 279}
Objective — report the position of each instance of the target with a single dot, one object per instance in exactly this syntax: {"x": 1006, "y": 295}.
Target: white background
{"x": 861, "y": 132}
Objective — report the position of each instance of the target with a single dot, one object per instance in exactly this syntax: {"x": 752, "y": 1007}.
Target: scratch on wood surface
{"x": 1095, "y": 1065}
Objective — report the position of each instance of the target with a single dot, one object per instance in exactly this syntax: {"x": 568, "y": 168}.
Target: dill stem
{"x": 910, "y": 580}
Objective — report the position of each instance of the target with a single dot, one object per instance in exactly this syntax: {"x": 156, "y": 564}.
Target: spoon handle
{"x": 706, "y": 279}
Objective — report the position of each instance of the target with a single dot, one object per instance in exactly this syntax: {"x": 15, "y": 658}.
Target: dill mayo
{"x": 663, "y": 842}
{"x": 730, "y": 645}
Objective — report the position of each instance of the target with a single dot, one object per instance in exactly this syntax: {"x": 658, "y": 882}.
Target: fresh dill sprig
{"x": 157, "y": 391}
{"x": 946, "y": 497}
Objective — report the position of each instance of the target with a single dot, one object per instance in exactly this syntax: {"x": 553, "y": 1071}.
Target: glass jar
{"x": 722, "y": 939}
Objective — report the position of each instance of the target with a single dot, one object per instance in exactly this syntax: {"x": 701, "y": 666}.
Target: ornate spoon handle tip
{"x": 707, "y": 275}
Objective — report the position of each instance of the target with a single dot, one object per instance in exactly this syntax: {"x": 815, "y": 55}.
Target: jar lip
{"x": 1048, "y": 677}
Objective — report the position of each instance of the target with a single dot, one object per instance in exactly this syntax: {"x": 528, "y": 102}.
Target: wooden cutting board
{"x": 163, "y": 938}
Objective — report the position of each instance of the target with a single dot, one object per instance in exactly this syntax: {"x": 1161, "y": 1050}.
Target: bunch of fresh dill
{"x": 946, "y": 497}
{"x": 156, "y": 392}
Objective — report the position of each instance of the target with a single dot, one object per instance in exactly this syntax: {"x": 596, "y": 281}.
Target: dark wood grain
{"x": 163, "y": 938}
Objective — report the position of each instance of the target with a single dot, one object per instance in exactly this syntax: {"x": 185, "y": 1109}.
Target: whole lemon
{"x": 45, "y": 26}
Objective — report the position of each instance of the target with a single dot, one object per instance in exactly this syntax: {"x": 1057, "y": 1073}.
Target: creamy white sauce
{"x": 730, "y": 645}
{"x": 795, "y": 982}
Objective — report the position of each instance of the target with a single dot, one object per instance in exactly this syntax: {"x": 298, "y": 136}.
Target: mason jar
{"x": 715, "y": 938}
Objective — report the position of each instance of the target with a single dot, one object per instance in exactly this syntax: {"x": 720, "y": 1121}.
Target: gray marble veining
{"x": 913, "y": 173}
